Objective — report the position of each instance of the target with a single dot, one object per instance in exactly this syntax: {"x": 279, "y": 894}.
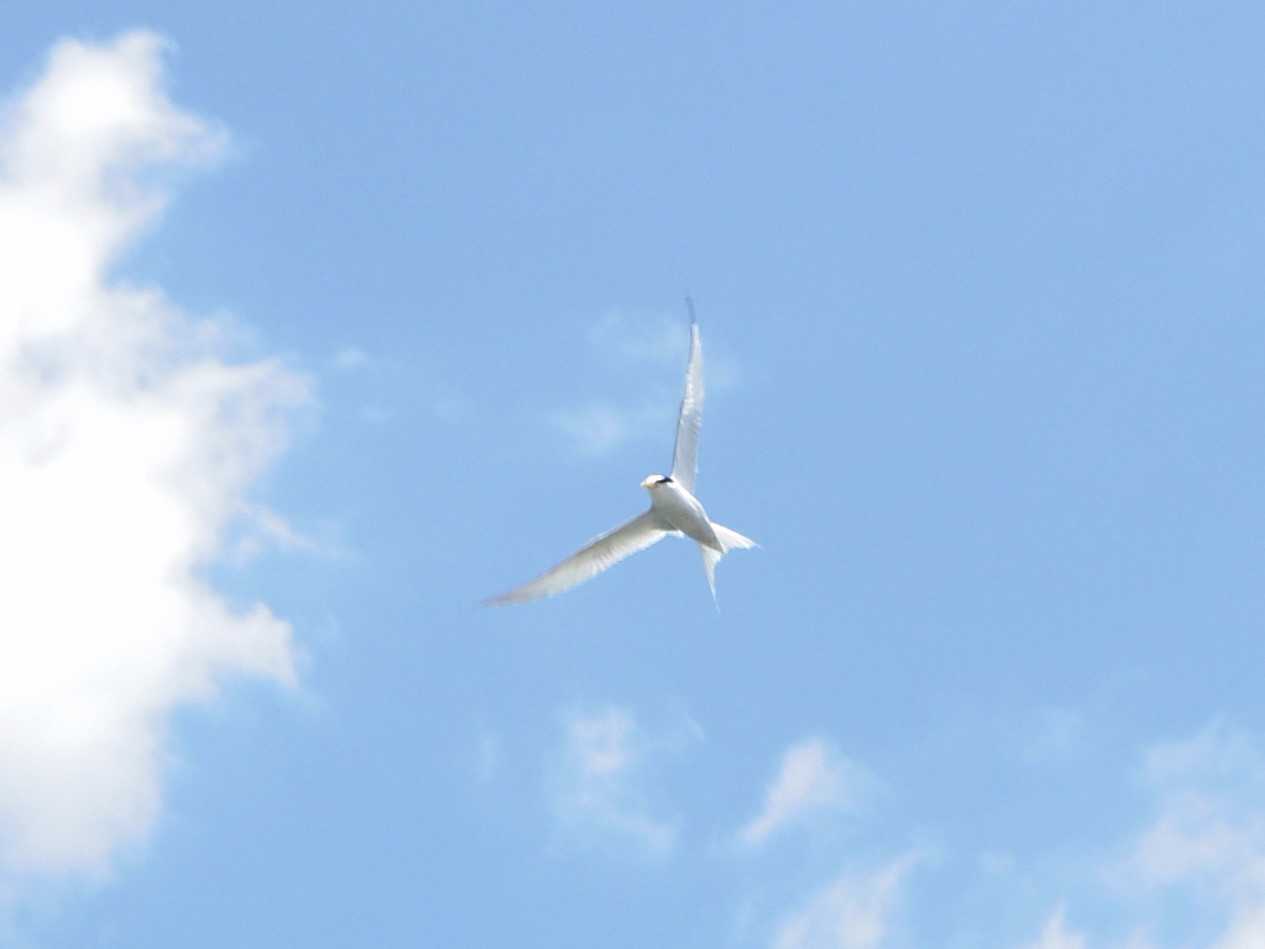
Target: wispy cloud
{"x": 129, "y": 440}
{"x": 601, "y": 427}
{"x": 259, "y": 529}
{"x": 1056, "y": 934}
{"x": 632, "y": 336}
{"x": 599, "y": 789}
{"x": 812, "y": 778}
{"x": 1209, "y": 821}
{"x": 851, "y": 912}
{"x": 1247, "y": 929}
{"x": 1200, "y": 846}
{"x": 655, "y": 344}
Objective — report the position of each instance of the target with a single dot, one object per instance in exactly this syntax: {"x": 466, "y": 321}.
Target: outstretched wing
{"x": 600, "y": 554}
{"x": 690, "y": 422}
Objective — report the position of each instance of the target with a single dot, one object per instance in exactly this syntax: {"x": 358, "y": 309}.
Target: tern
{"x": 674, "y": 510}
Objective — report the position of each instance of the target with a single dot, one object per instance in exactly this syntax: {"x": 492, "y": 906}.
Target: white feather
{"x": 600, "y": 554}
{"x": 690, "y": 421}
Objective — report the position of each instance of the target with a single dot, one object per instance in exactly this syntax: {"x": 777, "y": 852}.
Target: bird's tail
{"x": 730, "y": 540}
{"x": 711, "y": 557}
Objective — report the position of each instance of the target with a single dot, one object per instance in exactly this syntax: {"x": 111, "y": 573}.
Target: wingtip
{"x": 689, "y": 306}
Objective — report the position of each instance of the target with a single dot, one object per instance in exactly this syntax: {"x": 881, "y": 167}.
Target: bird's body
{"x": 680, "y": 511}
{"x": 674, "y": 510}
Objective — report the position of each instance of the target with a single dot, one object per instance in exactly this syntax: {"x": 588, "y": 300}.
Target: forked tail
{"x": 730, "y": 540}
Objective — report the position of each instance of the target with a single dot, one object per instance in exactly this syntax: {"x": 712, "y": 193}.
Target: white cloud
{"x": 1056, "y": 935}
{"x": 1206, "y": 837}
{"x": 1247, "y": 931}
{"x": 851, "y": 912}
{"x": 1200, "y": 851}
{"x": 128, "y": 443}
{"x": 1189, "y": 870}
{"x": 1209, "y": 821}
{"x": 813, "y": 777}
{"x": 260, "y": 528}
{"x": 599, "y": 789}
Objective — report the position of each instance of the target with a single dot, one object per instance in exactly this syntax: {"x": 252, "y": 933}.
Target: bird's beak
{"x": 648, "y": 483}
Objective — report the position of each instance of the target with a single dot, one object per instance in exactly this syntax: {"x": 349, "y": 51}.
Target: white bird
{"x": 674, "y": 510}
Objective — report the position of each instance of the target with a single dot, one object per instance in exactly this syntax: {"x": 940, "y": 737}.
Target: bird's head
{"x": 653, "y": 481}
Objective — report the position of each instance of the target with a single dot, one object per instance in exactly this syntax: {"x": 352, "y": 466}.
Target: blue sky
{"x": 323, "y": 324}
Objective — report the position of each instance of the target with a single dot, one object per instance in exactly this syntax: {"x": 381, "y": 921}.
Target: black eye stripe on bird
{"x": 664, "y": 481}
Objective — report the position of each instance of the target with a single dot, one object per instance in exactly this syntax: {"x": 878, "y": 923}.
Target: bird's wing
{"x": 690, "y": 422}
{"x": 600, "y": 554}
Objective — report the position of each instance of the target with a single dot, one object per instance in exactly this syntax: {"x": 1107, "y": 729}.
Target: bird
{"x": 674, "y": 509}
